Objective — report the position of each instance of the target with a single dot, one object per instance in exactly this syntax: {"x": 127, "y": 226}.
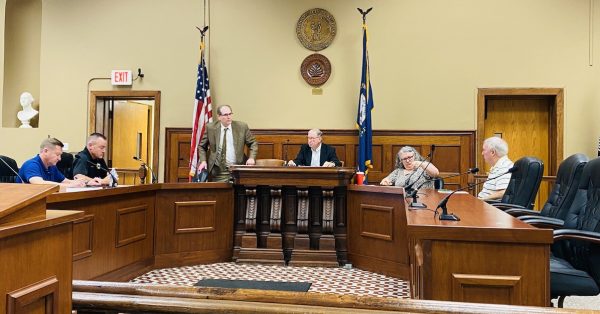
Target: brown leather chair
{"x": 270, "y": 162}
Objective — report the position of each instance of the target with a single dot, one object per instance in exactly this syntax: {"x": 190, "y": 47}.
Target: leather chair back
{"x": 586, "y": 255}
{"x": 565, "y": 187}
{"x": 65, "y": 165}
{"x": 438, "y": 183}
{"x": 6, "y": 174}
{"x": 524, "y": 183}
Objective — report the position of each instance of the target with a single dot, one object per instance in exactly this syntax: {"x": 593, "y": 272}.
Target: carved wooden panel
{"x": 377, "y": 222}
{"x": 131, "y": 225}
{"x": 266, "y": 150}
{"x": 377, "y": 230}
{"x": 451, "y": 160}
{"x": 40, "y": 297}
{"x": 195, "y": 216}
{"x": 83, "y": 237}
{"x": 486, "y": 289}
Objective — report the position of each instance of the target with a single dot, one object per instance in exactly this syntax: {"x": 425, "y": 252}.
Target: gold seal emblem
{"x": 315, "y": 69}
{"x": 316, "y": 29}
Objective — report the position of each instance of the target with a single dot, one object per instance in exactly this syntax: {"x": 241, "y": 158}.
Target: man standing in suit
{"x": 316, "y": 153}
{"x": 226, "y": 139}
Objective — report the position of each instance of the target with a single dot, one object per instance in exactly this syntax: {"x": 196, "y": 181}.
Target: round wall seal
{"x": 316, "y": 29}
{"x": 315, "y": 69}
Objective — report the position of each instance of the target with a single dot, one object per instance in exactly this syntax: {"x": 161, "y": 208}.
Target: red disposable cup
{"x": 360, "y": 178}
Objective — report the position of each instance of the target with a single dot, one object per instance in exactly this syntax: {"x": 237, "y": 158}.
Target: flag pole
{"x": 194, "y": 165}
{"x": 364, "y": 13}
{"x": 365, "y": 106}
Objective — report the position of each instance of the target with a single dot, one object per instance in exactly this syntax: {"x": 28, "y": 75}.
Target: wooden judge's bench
{"x": 272, "y": 215}
{"x": 291, "y": 215}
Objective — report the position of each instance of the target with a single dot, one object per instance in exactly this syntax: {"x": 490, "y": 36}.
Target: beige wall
{"x": 427, "y": 58}
{"x": 22, "y": 34}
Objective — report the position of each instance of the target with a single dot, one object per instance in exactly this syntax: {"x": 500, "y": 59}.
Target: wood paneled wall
{"x": 454, "y": 153}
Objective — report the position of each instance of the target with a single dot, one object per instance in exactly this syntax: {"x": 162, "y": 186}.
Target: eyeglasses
{"x": 407, "y": 158}
{"x": 226, "y": 114}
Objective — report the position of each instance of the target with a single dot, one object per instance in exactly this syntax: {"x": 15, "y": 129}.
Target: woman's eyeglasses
{"x": 407, "y": 158}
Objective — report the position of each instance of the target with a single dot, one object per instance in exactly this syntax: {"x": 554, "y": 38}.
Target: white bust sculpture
{"x": 28, "y": 112}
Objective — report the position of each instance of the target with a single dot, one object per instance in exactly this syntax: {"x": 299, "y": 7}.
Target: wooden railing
{"x": 455, "y": 152}
{"x": 93, "y": 296}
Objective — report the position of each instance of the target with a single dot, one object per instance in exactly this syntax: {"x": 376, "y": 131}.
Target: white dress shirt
{"x": 230, "y": 157}
{"x": 315, "y": 160}
{"x": 500, "y": 183}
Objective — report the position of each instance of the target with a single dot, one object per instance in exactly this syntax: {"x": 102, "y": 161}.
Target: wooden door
{"x": 524, "y": 122}
{"x": 177, "y": 154}
{"x": 130, "y": 131}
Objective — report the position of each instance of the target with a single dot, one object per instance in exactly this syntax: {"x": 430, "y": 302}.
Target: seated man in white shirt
{"x": 495, "y": 152}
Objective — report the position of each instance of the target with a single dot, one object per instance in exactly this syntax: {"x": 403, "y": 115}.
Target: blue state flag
{"x": 363, "y": 119}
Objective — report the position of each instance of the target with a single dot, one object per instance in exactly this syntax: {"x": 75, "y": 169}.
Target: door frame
{"x": 124, "y": 95}
{"x": 556, "y": 118}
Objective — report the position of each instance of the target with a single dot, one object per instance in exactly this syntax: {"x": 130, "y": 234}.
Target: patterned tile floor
{"x": 324, "y": 280}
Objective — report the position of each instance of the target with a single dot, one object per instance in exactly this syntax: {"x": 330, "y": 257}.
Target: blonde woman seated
{"x": 409, "y": 168}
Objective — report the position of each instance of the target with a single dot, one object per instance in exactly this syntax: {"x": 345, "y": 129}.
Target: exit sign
{"x": 120, "y": 77}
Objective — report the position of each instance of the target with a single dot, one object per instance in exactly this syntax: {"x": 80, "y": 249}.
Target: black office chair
{"x": 524, "y": 184}
{"x": 563, "y": 193}
{"x": 65, "y": 165}
{"x": 6, "y": 174}
{"x": 438, "y": 183}
{"x": 577, "y": 271}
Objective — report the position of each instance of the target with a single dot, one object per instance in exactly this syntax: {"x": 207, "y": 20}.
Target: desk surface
{"x": 479, "y": 221}
{"x": 64, "y": 196}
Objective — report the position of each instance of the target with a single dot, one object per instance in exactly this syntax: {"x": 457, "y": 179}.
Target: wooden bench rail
{"x": 138, "y": 298}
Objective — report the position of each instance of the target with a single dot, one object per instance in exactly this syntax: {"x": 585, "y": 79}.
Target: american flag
{"x": 202, "y": 111}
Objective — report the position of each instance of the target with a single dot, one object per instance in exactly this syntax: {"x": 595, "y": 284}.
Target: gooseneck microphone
{"x": 442, "y": 204}
{"x": 99, "y": 166}
{"x": 11, "y": 169}
{"x": 408, "y": 187}
{"x": 470, "y": 171}
{"x": 413, "y": 193}
{"x": 154, "y": 178}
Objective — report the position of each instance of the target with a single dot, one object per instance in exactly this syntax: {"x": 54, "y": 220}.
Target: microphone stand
{"x": 413, "y": 193}
{"x": 154, "y": 178}
{"x": 470, "y": 171}
{"x": 442, "y": 204}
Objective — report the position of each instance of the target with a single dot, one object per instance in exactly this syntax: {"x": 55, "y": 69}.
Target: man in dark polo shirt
{"x": 89, "y": 165}
{"x": 42, "y": 169}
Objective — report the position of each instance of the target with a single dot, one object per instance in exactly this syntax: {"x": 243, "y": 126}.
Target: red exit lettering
{"x": 120, "y": 77}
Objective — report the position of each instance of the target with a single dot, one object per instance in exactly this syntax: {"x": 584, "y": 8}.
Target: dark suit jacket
{"x": 241, "y": 137}
{"x": 327, "y": 154}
